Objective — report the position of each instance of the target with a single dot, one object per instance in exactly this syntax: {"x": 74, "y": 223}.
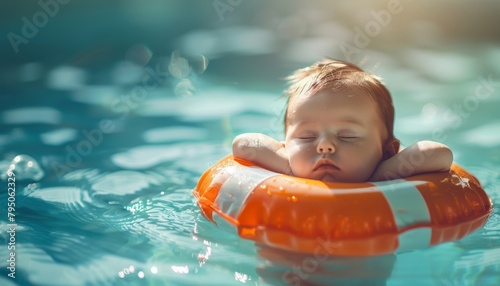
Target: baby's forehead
{"x": 350, "y": 92}
{"x": 361, "y": 104}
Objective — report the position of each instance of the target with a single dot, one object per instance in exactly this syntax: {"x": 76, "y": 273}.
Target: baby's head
{"x": 338, "y": 122}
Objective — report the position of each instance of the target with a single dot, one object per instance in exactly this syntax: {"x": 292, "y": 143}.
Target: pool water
{"x": 110, "y": 112}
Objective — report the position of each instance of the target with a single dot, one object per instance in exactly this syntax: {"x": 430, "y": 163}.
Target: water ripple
{"x": 493, "y": 223}
{"x": 61, "y": 195}
{"x": 478, "y": 267}
{"x": 62, "y": 204}
{"x": 67, "y": 78}
{"x": 25, "y": 115}
{"x": 58, "y": 136}
{"x": 159, "y": 217}
{"x": 486, "y": 135}
{"x": 148, "y": 156}
{"x": 169, "y": 134}
{"x": 124, "y": 182}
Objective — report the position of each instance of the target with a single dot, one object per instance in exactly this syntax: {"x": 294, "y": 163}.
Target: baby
{"x": 339, "y": 128}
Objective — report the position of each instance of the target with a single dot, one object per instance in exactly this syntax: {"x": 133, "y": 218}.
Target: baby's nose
{"x": 325, "y": 146}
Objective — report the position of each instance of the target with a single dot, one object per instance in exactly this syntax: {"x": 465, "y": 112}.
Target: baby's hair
{"x": 337, "y": 75}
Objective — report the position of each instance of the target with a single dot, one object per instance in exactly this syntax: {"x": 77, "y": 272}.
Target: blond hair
{"x": 336, "y": 75}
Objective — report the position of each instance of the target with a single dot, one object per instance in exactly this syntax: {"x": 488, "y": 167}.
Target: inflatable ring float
{"x": 342, "y": 219}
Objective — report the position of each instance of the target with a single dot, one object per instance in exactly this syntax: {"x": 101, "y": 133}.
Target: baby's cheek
{"x": 294, "y": 163}
{"x": 297, "y": 164}
{"x": 369, "y": 166}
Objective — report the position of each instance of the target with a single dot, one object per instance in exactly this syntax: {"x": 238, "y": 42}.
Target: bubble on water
{"x": 139, "y": 54}
{"x": 25, "y": 167}
{"x": 184, "y": 88}
{"x": 179, "y": 67}
{"x": 200, "y": 64}
{"x": 430, "y": 111}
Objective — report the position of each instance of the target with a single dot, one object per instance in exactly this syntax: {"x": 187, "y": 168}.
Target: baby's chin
{"x": 328, "y": 178}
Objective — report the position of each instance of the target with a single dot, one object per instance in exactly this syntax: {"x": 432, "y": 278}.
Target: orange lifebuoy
{"x": 345, "y": 219}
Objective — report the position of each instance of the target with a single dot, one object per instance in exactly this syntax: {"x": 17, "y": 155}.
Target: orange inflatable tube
{"x": 344, "y": 219}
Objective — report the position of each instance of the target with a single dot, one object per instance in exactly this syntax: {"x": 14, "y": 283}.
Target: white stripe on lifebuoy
{"x": 408, "y": 208}
{"x": 235, "y": 190}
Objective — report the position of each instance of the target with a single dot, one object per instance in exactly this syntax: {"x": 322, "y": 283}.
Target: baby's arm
{"x": 263, "y": 151}
{"x": 421, "y": 157}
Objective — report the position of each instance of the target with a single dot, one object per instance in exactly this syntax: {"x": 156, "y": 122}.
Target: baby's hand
{"x": 262, "y": 150}
{"x": 422, "y": 157}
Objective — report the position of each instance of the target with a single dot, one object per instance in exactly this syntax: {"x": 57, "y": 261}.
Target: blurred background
{"x": 252, "y": 39}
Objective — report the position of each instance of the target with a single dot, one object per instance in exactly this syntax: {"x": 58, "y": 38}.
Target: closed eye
{"x": 307, "y": 137}
{"x": 348, "y": 138}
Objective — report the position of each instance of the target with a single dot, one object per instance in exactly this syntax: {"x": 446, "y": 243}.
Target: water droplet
{"x": 263, "y": 186}
{"x": 294, "y": 199}
{"x": 269, "y": 193}
{"x": 282, "y": 190}
{"x": 25, "y": 168}
{"x": 201, "y": 258}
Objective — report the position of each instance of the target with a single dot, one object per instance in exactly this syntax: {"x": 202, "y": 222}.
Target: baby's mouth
{"x": 325, "y": 165}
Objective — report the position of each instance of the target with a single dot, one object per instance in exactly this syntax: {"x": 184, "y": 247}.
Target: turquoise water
{"x": 114, "y": 127}
{"x": 111, "y": 203}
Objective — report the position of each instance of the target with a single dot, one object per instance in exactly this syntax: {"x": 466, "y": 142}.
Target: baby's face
{"x": 334, "y": 136}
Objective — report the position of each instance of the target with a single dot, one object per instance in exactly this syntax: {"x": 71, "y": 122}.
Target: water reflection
{"x": 279, "y": 267}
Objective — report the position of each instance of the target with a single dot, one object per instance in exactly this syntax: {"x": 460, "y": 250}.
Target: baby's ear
{"x": 391, "y": 148}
